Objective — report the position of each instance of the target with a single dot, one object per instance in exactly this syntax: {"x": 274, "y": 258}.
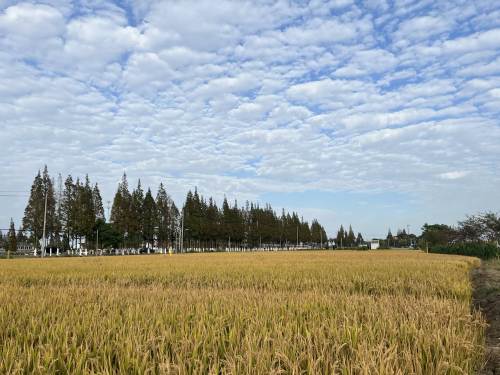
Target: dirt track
{"x": 486, "y": 280}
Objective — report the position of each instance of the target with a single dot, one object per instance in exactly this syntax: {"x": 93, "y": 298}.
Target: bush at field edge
{"x": 476, "y": 249}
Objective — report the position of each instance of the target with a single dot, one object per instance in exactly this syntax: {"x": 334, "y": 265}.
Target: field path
{"x": 486, "y": 281}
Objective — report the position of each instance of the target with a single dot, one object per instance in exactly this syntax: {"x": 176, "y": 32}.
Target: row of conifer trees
{"x": 347, "y": 238}
{"x": 71, "y": 212}
{"x": 75, "y": 217}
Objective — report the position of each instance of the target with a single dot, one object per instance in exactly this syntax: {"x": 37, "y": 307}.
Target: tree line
{"x": 250, "y": 225}
{"x": 401, "y": 239}
{"x": 71, "y": 213}
{"x": 140, "y": 219}
{"x": 347, "y": 238}
{"x": 477, "y": 235}
{"x": 483, "y": 227}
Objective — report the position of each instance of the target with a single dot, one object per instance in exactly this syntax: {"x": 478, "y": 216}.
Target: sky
{"x": 379, "y": 114}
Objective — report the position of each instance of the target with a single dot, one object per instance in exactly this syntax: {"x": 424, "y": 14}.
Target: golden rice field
{"x": 240, "y": 313}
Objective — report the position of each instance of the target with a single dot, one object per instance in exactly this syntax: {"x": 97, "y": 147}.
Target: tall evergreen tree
{"x": 87, "y": 216}
{"x": 359, "y": 240}
{"x": 305, "y": 232}
{"x": 283, "y": 228}
{"x": 203, "y": 208}
{"x": 188, "y": 217}
{"x": 213, "y": 221}
{"x": 11, "y": 239}
{"x": 318, "y": 233}
{"x": 135, "y": 218}
{"x": 97, "y": 202}
{"x": 34, "y": 211}
{"x": 149, "y": 219}
{"x": 77, "y": 210}
{"x": 121, "y": 209}
{"x": 192, "y": 216}
{"x": 33, "y": 219}
{"x": 292, "y": 226}
{"x": 58, "y": 227}
{"x": 339, "y": 240}
{"x": 351, "y": 238}
{"x": 237, "y": 224}
{"x": 21, "y": 236}
{"x": 226, "y": 222}
{"x": 390, "y": 239}
{"x": 67, "y": 211}
{"x": 165, "y": 218}
{"x": 174, "y": 223}
{"x": 51, "y": 222}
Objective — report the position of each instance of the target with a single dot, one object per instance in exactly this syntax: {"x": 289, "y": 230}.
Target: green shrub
{"x": 481, "y": 250}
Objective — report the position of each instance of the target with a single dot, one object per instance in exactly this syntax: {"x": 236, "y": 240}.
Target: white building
{"x": 374, "y": 244}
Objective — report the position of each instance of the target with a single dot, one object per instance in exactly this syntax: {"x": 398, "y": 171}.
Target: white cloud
{"x": 245, "y": 98}
{"x": 319, "y": 31}
{"x": 33, "y": 21}
{"x": 238, "y": 84}
{"x": 423, "y": 27}
{"x": 481, "y": 69}
{"x": 453, "y": 175}
{"x": 31, "y": 30}
{"x": 331, "y": 94}
{"x": 368, "y": 62}
{"x": 479, "y": 41}
{"x": 248, "y": 112}
{"x": 95, "y": 41}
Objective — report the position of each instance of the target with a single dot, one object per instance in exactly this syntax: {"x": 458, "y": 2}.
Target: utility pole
{"x": 297, "y": 236}
{"x": 44, "y": 225}
{"x": 321, "y": 237}
{"x": 260, "y": 236}
{"x": 176, "y": 243}
{"x": 182, "y": 231}
{"x": 97, "y": 242}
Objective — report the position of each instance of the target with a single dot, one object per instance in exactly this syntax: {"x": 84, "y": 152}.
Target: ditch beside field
{"x": 486, "y": 280}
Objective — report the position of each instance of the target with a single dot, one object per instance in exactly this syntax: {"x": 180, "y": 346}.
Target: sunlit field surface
{"x": 287, "y": 312}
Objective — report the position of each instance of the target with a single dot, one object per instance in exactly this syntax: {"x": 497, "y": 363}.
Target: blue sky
{"x": 375, "y": 113}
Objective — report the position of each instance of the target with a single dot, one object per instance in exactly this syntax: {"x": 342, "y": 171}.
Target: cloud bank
{"x": 253, "y": 99}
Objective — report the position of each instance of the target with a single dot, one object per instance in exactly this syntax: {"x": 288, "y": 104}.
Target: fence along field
{"x": 291, "y": 312}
